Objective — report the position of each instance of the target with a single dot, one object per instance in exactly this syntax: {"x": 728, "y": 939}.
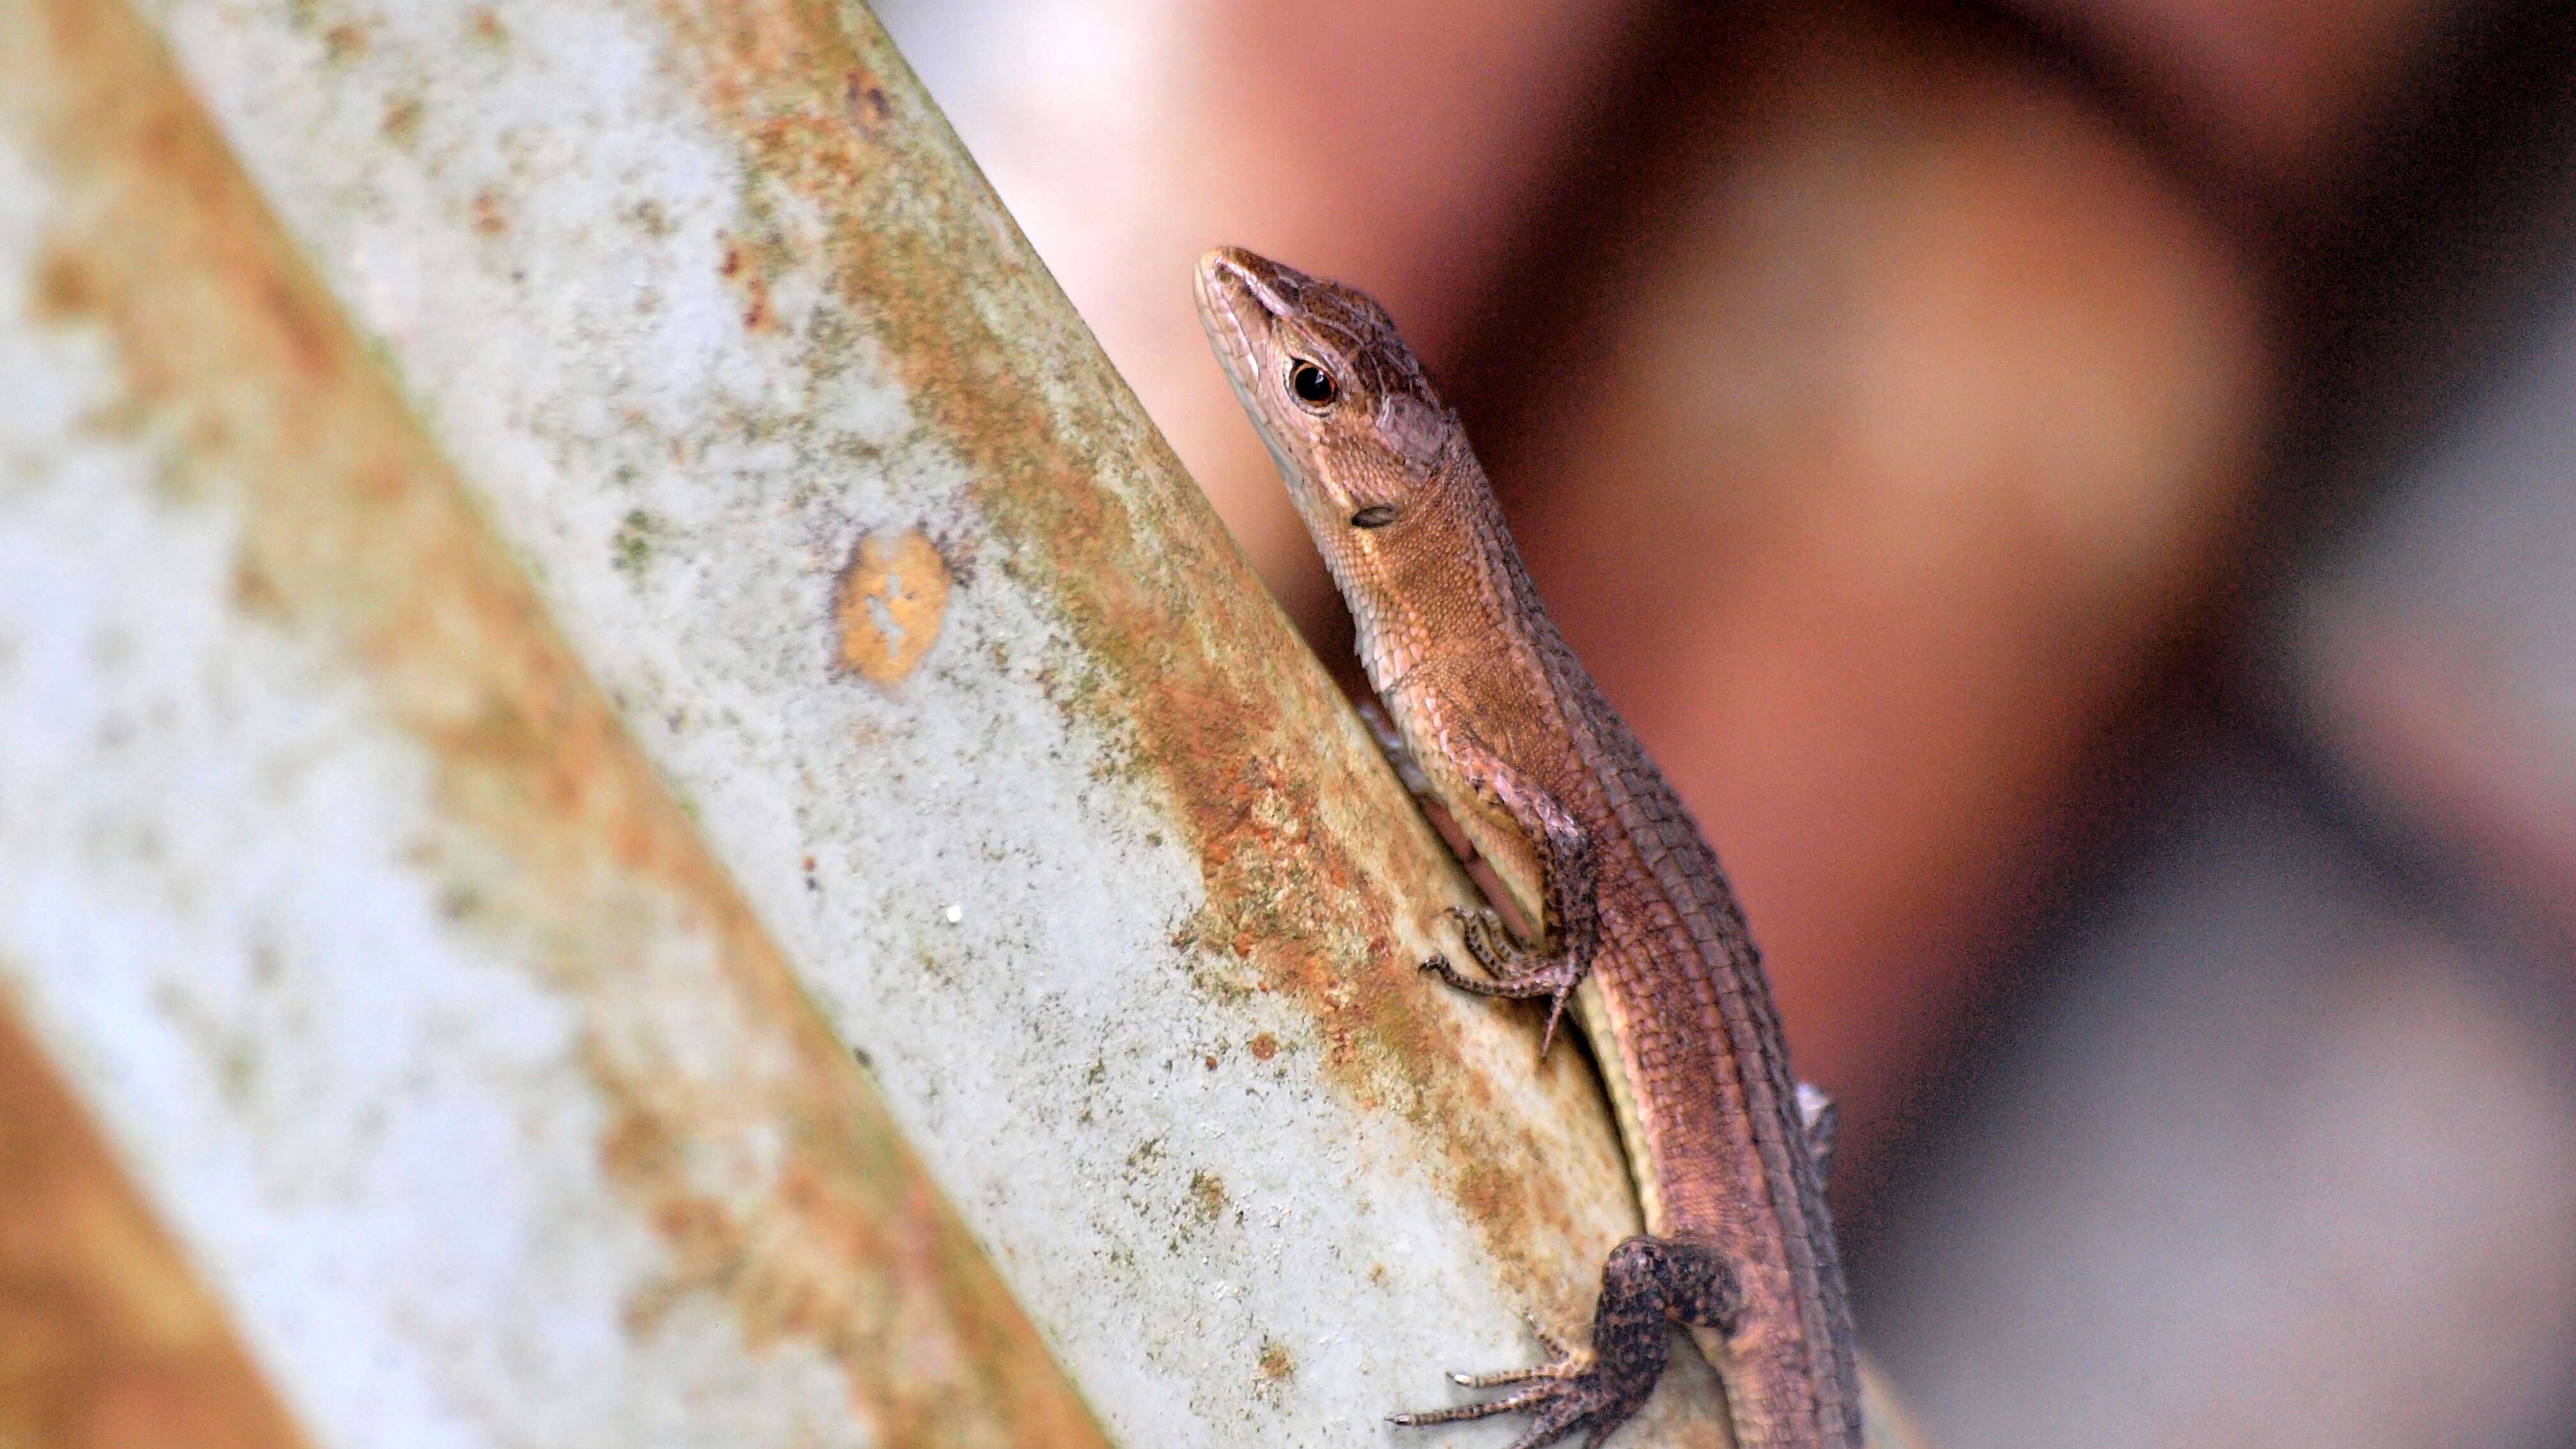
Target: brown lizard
{"x": 1499, "y": 724}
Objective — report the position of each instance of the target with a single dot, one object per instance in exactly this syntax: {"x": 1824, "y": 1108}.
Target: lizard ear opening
{"x": 1416, "y": 431}
{"x": 1376, "y": 515}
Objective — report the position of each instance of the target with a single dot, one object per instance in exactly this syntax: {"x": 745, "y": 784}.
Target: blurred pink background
{"x": 2081, "y": 496}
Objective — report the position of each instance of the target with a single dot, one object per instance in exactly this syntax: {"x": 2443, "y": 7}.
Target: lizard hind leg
{"x": 1648, "y": 1286}
{"x": 1517, "y": 975}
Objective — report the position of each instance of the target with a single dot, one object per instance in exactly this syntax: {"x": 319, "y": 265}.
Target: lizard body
{"x": 1509, "y": 734}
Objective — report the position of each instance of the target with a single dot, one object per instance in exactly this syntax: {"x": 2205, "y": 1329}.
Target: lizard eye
{"x": 1313, "y": 385}
{"x": 1376, "y": 515}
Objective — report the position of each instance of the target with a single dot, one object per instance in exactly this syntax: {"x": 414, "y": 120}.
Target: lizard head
{"x": 1338, "y": 398}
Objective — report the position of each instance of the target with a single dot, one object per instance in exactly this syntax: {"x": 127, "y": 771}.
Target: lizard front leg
{"x": 1648, "y": 1286}
{"x": 1569, "y": 884}
{"x": 1399, "y": 757}
{"x": 1481, "y": 929}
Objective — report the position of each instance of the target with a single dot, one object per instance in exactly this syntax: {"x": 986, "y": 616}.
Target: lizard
{"x": 1493, "y": 718}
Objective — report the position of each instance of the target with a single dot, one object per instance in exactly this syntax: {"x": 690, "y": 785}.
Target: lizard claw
{"x": 1555, "y": 1010}
{"x": 1482, "y": 931}
{"x": 1555, "y": 1346}
{"x": 1561, "y": 1396}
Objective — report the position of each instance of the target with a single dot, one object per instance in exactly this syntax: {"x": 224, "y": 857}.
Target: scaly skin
{"x": 1513, "y": 739}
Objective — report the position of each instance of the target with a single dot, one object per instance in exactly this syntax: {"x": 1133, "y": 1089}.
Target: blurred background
{"x": 2078, "y": 495}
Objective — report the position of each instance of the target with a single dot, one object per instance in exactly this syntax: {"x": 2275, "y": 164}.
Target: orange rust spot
{"x": 757, "y": 313}
{"x": 485, "y": 28}
{"x": 1264, "y": 1047}
{"x": 864, "y": 101}
{"x": 887, "y": 607}
{"x": 1275, "y": 1365}
{"x": 489, "y": 218}
{"x": 344, "y": 42}
{"x": 105, "y": 1336}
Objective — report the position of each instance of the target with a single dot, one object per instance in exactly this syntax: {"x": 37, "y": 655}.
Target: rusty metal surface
{"x": 957, "y": 676}
{"x": 403, "y": 992}
{"x": 676, "y": 353}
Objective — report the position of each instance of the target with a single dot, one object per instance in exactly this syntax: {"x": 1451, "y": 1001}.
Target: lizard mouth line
{"x": 1223, "y": 295}
{"x": 1229, "y": 295}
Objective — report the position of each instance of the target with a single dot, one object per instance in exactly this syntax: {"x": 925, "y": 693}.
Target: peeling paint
{"x": 887, "y": 605}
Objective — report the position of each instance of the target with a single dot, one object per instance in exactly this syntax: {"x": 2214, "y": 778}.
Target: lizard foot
{"x": 1563, "y": 1362}
{"x": 1487, "y": 941}
{"x": 1556, "y": 981}
{"x": 1567, "y": 1394}
{"x": 1517, "y": 975}
{"x": 1648, "y": 1286}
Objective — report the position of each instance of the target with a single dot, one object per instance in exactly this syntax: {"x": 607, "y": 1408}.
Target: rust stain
{"x": 1207, "y": 1195}
{"x": 887, "y": 605}
{"x": 490, "y": 219}
{"x": 757, "y": 313}
{"x": 106, "y": 1337}
{"x": 864, "y": 101}
{"x": 62, "y": 288}
{"x": 1264, "y": 1047}
{"x": 356, "y": 536}
{"x": 402, "y": 120}
{"x": 1181, "y": 636}
{"x": 344, "y": 42}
